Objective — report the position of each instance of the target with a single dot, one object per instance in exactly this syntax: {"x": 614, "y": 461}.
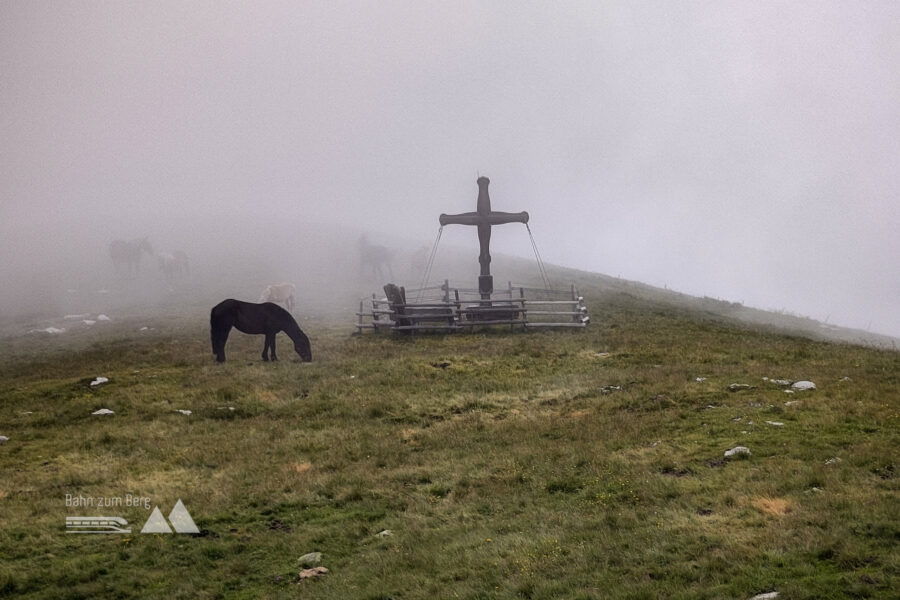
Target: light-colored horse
{"x": 374, "y": 260}
{"x": 126, "y": 256}
{"x": 280, "y": 292}
{"x": 173, "y": 265}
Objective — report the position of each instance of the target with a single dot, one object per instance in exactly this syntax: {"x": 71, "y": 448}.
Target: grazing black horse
{"x": 265, "y": 318}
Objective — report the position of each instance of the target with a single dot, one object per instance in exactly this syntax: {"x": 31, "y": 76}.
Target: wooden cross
{"x": 483, "y": 218}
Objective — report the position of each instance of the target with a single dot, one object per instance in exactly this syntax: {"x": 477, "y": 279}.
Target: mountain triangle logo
{"x": 179, "y": 517}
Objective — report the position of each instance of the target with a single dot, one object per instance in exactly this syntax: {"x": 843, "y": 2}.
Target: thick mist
{"x": 744, "y": 152}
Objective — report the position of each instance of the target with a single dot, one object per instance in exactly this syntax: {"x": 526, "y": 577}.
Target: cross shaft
{"x": 484, "y": 218}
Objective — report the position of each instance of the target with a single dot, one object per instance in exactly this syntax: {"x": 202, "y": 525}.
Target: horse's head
{"x": 304, "y": 351}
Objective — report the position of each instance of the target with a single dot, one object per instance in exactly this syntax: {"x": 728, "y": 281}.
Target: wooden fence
{"x": 446, "y": 309}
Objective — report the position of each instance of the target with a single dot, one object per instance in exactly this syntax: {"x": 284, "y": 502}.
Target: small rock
{"x": 51, "y": 330}
{"x": 735, "y": 387}
{"x": 832, "y": 461}
{"x": 766, "y": 596}
{"x": 99, "y": 381}
{"x": 182, "y": 411}
{"x": 775, "y": 423}
{"x": 606, "y": 389}
{"x": 700, "y": 379}
{"x": 737, "y": 419}
{"x": 310, "y": 560}
{"x": 737, "y": 450}
{"x": 143, "y": 328}
{"x": 316, "y": 572}
{"x": 602, "y": 354}
{"x": 385, "y": 533}
{"x": 792, "y": 403}
{"x": 88, "y": 321}
{"x": 788, "y": 391}
{"x": 845, "y": 378}
{"x": 103, "y": 411}
{"x": 804, "y": 385}
{"x": 781, "y": 381}
{"x": 3, "y": 439}
{"x": 103, "y": 318}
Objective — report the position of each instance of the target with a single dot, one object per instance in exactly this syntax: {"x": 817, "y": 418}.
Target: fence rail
{"x": 447, "y": 309}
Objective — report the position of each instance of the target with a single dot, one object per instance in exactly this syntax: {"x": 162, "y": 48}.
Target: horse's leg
{"x": 221, "y": 338}
{"x": 270, "y": 343}
{"x": 272, "y": 346}
{"x": 289, "y": 303}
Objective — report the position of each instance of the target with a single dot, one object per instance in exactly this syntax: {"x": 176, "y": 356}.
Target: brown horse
{"x": 267, "y": 319}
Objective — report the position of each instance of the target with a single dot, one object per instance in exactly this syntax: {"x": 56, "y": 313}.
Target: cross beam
{"x": 483, "y": 218}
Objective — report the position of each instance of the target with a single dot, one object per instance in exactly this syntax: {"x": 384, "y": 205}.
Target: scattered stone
{"x": 606, "y": 389}
{"x": 225, "y": 408}
{"x": 788, "y": 391}
{"x": 602, "y": 354}
{"x": 3, "y": 439}
{"x": 311, "y": 559}
{"x": 385, "y": 533}
{"x": 76, "y": 317}
{"x": 792, "y": 403}
{"x": 804, "y": 385}
{"x": 775, "y": 423}
{"x": 735, "y": 387}
{"x": 99, "y": 381}
{"x": 310, "y": 573}
{"x": 736, "y": 419}
{"x": 780, "y": 381}
{"x": 766, "y": 596}
{"x": 88, "y": 322}
{"x": 832, "y": 461}
{"x": 700, "y": 379}
{"x": 737, "y": 451}
{"x": 814, "y": 490}
{"x": 103, "y": 318}
{"x": 144, "y": 328}
{"x": 845, "y": 378}
{"x": 103, "y": 411}
{"x": 50, "y": 330}
{"x": 182, "y": 411}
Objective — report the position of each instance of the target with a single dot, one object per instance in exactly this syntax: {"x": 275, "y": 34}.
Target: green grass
{"x": 517, "y": 471}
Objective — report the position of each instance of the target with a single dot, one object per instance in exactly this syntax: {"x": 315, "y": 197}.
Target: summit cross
{"x": 483, "y": 218}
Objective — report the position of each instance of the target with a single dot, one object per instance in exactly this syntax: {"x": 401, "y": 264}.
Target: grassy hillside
{"x": 578, "y": 464}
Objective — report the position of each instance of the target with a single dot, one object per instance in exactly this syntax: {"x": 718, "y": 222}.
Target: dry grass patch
{"x": 775, "y": 507}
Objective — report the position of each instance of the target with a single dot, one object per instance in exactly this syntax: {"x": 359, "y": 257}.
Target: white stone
{"x": 766, "y": 596}
{"x": 88, "y": 321}
{"x": 182, "y": 411}
{"x": 103, "y": 411}
{"x": 737, "y": 450}
{"x": 103, "y": 318}
{"x": 3, "y": 439}
{"x": 99, "y": 381}
{"x": 804, "y": 385}
{"x": 775, "y": 423}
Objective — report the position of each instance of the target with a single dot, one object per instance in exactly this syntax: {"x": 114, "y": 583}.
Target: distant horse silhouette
{"x": 280, "y": 292}
{"x": 374, "y": 260}
{"x": 266, "y": 318}
{"x": 126, "y": 256}
{"x": 174, "y": 265}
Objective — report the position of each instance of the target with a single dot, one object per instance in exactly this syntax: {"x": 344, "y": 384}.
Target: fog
{"x": 747, "y": 152}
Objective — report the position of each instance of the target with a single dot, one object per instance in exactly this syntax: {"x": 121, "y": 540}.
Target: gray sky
{"x": 745, "y": 151}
